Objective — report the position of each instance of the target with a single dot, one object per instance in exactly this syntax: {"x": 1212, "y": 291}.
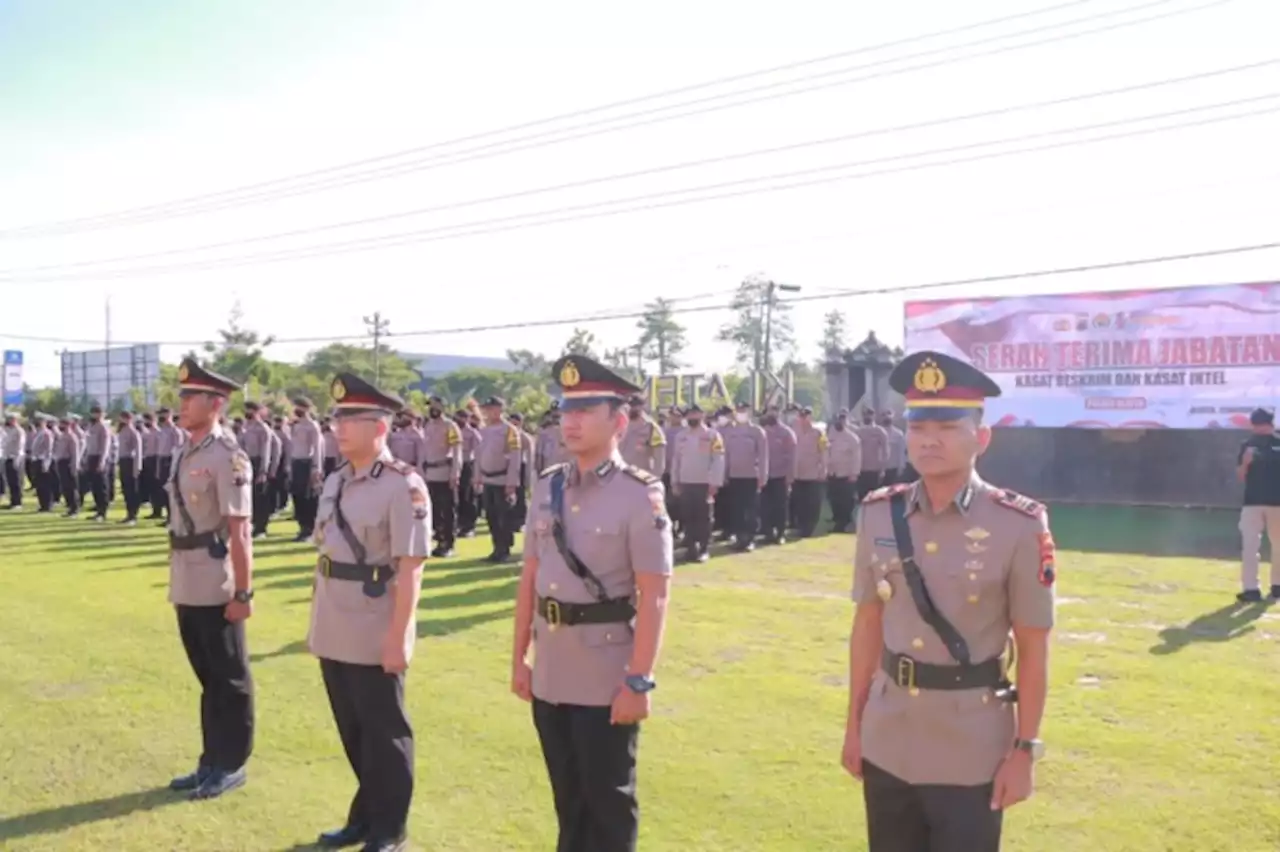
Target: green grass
{"x": 1163, "y": 720}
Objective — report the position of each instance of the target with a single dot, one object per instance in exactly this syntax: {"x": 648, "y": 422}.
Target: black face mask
{"x": 867, "y": 421}
{"x": 694, "y": 422}
{"x": 299, "y": 413}
{"x": 769, "y": 420}
{"x": 840, "y": 424}
{"x": 635, "y": 413}
{"x": 436, "y": 413}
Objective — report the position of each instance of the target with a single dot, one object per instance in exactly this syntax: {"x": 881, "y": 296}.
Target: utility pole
{"x": 377, "y": 327}
{"x": 770, "y": 291}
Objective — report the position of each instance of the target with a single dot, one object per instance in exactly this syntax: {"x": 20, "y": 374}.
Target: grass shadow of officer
{"x": 1222, "y": 625}
{"x": 945, "y": 569}
{"x": 373, "y": 528}
{"x": 592, "y": 600}
{"x": 210, "y": 578}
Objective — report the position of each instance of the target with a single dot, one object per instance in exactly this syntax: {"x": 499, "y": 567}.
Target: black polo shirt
{"x": 1262, "y": 481}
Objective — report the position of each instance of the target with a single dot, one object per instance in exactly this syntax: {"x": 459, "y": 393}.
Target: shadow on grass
{"x": 65, "y": 817}
{"x": 1147, "y": 530}
{"x": 1222, "y": 625}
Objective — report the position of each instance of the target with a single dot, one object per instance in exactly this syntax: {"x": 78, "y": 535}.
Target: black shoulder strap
{"x": 958, "y": 648}
{"x": 571, "y": 559}
{"x": 187, "y": 522}
{"x": 348, "y": 535}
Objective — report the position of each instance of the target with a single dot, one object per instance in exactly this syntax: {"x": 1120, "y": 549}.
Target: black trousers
{"x": 773, "y": 508}
{"x": 280, "y": 488}
{"x": 46, "y": 486}
{"x": 904, "y": 817}
{"x": 97, "y": 481}
{"x": 808, "y": 505}
{"x": 147, "y": 479}
{"x": 592, "y": 767}
{"x": 468, "y": 500}
{"x": 695, "y": 514}
{"x": 444, "y": 514}
{"x": 841, "y": 493}
{"x": 159, "y": 496}
{"x": 129, "y": 485}
{"x": 743, "y": 503}
{"x": 721, "y": 511}
{"x": 306, "y": 503}
{"x": 522, "y": 505}
{"x": 13, "y": 479}
{"x": 368, "y": 708}
{"x": 500, "y": 514}
{"x": 69, "y": 480}
{"x": 262, "y": 498}
{"x": 673, "y": 507}
{"x": 868, "y": 481}
{"x": 219, "y": 657}
{"x": 110, "y": 476}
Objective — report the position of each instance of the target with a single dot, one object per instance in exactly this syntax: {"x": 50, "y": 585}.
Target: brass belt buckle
{"x": 906, "y": 675}
{"x": 325, "y": 566}
{"x": 553, "y": 615}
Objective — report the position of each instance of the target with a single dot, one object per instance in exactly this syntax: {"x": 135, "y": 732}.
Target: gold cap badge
{"x": 338, "y": 391}
{"x": 569, "y": 375}
{"x": 183, "y": 373}
{"x": 929, "y": 377}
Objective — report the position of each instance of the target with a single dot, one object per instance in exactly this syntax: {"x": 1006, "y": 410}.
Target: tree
{"x": 834, "y": 328}
{"x": 581, "y": 342}
{"x": 240, "y": 353}
{"x": 528, "y": 361}
{"x": 662, "y": 339}
{"x": 747, "y": 330}
{"x": 625, "y": 362}
{"x": 328, "y": 361}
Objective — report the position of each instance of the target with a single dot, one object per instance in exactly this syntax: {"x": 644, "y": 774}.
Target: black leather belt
{"x": 444, "y": 463}
{"x": 374, "y": 577}
{"x": 502, "y": 472}
{"x": 910, "y": 674}
{"x": 199, "y": 541}
{"x": 557, "y": 613}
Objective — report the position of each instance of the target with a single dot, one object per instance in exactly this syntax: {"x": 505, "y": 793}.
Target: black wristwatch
{"x": 1035, "y": 748}
{"x": 640, "y": 684}
{"x": 243, "y": 596}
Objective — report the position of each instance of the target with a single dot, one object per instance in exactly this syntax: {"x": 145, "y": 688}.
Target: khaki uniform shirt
{"x": 550, "y": 449}
{"x": 812, "y": 450}
{"x": 42, "y": 447}
{"x": 307, "y": 443}
{"x": 97, "y": 442}
{"x": 498, "y": 455}
{"x": 644, "y": 445}
{"x": 746, "y": 452}
{"x": 13, "y": 447}
{"x": 389, "y": 512}
{"x": 875, "y": 447}
{"x": 782, "y": 452}
{"x": 129, "y": 445}
{"x": 169, "y": 438}
{"x": 470, "y": 443}
{"x": 897, "y": 448}
{"x": 699, "y": 458}
{"x": 150, "y": 439}
{"x": 615, "y": 521}
{"x": 216, "y": 482}
{"x": 442, "y": 459}
{"x": 987, "y": 560}
{"x": 407, "y": 445}
{"x": 844, "y": 453}
{"x": 67, "y": 446}
{"x": 331, "y": 445}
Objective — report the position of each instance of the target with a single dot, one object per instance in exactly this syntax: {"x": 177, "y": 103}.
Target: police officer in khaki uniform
{"x": 306, "y": 467}
{"x": 945, "y": 569}
{"x": 645, "y": 443}
{"x": 499, "y": 456}
{"x": 592, "y": 601}
{"x": 442, "y": 469}
{"x": 373, "y": 529}
{"x": 211, "y": 578}
{"x": 697, "y": 472}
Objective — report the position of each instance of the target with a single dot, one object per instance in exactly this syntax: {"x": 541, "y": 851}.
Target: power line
{"x": 210, "y": 203}
{"x": 652, "y": 201}
{"x": 817, "y": 297}
{"x": 647, "y": 172}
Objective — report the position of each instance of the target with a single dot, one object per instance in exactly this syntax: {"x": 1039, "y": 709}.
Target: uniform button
{"x": 597, "y": 530}
{"x": 913, "y": 692}
{"x": 973, "y": 576}
{"x": 573, "y": 508}
{"x": 554, "y": 587}
{"x": 985, "y": 698}
{"x": 973, "y": 598}
{"x": 917, "y": 643}
{"x": 931, "y": 547}
{"x": 608, "y": 637}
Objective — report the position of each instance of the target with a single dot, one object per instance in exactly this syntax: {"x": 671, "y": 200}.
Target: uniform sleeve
{"x": 317, "y": 448}
{"x": 532, "y": 534}
{"x": 515, "y": 453}
{"x": 453, "y": 442}
{"x": 649, "y": 534}
{"x": 715, "y": 477}
{"x": 411, "y": 519}
{"x": 864, "y": 572}
{"x": 1032, "y": 575}
{"x": 235, "y": 489}
{"x": 762, "y": 455}
{"x": 657, "y": 450}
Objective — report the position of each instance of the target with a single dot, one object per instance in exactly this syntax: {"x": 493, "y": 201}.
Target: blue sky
{"x": 111, "y": 106}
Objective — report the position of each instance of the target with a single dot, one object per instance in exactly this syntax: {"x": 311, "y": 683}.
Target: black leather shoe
{"x": 394, "y": 845}
{"x": 218, "y": 782}
{"x": 186, "y": 783}
{"x": 348, "y": 835}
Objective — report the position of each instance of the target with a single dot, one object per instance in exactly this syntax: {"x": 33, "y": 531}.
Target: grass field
{"x": 1163, "y": 722}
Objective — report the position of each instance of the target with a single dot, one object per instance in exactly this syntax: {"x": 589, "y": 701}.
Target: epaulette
{"x": 1018, "y": 502}
{"x": 402, "y": 468}
{"x": 886, "y": 492}
{"x": 639, "y": 474}
{"x": 549, "y": 471}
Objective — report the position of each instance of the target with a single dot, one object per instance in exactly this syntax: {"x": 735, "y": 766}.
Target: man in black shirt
{"x": 1259, "y": 470}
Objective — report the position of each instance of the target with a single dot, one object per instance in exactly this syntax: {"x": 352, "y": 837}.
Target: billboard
{"x": 11, "y": 379}
{"x": 106, "y": 375}
{"x": 1181, "y": 358}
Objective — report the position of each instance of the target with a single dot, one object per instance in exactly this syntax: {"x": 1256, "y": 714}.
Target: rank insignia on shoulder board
{"x": 1048, "y": 573}
{"x": 419, "y": 499}
{"x": 659, "y": 505}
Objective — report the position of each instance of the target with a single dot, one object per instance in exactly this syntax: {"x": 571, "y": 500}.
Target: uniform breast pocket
{"x": 603, "y": 541}
{"x": 605, "y": 635}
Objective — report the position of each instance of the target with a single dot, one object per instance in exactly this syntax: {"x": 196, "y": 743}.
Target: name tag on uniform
{"x": 886, "y": 542}
{"x": 199, "y": 471}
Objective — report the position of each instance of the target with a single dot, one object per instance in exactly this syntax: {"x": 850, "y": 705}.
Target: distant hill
{"x": 432, "y": 366}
